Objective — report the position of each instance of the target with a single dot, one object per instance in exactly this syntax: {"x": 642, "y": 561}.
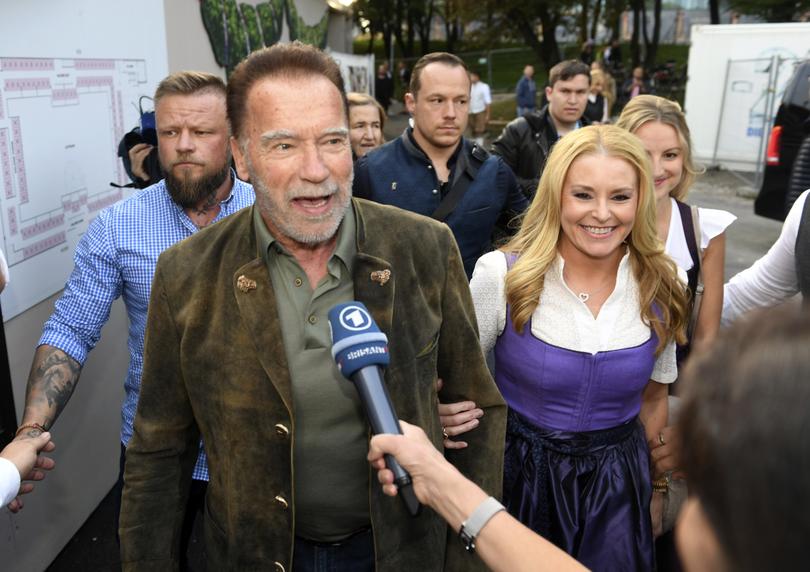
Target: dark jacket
{"x": 214, "y": 366}
{"x": 400, "y": 174}
{"x": 524, "y": 145}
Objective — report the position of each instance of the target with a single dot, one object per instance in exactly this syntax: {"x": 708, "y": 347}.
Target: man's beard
{"x": 189, "y": 192}
{"x": 295, "y": 225}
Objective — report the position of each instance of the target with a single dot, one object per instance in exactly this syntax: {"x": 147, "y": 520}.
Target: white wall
{"x": 712, "y": 47}
{"x": 87, "y": 432}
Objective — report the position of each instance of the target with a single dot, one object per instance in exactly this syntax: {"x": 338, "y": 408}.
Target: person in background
{"x": 404, "y": 73}
{"x": 609, "y": 89}
{"x": 432, "y": 170}
{"x": 698, "y": 250}
{"x": 695, "y": 239}
{"x": 636, "y": 84}
{"x": 596, "y": 110}
{"x": 747, "y": 426}
{"x": 20, "y": 460}
{"x": 383, "y": 86}
{"x": 613, "y": 55}
{"x": 583, "y": 310}
{"x": 117, "y": 255}
{"x": 480, "y": 105}
{"x": 366, "y": 123}
{"x": 587, "y": 55}
{"x": 526, "y": 92}
{"x": 526, "y": 141}
{"x": 782, "y": 273}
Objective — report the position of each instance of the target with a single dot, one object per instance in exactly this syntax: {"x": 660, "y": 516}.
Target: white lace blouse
{"x": 562, "y": 319}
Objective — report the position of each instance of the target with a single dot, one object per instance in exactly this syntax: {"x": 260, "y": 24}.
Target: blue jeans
{"x": 355, "y": 554}
{"x": 521, "y": 111}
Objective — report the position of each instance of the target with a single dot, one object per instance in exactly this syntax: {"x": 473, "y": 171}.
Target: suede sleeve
{"x": 465, "y": 374}
{"x": 160, "y": 456}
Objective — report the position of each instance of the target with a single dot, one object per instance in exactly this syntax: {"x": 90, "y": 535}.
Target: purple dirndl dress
{"x": 576, "y": 467}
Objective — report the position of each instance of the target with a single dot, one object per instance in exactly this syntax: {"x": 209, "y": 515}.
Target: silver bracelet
{"x": 471, "y": 527}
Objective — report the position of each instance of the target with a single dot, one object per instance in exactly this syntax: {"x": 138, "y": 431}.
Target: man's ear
{"x": 549, "y": 90}
{"x": 239, "y": 160}
{"x": 410, "y": 102}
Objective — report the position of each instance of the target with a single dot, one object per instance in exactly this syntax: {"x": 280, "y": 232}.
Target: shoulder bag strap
{"x": 698, "y": 292}
{"x": 466, "y": 169}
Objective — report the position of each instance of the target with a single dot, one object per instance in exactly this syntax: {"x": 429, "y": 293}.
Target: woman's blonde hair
{"x": 598, "y": 75}
{"x": 662, "y": 296}
{"x": 645, "y": 108}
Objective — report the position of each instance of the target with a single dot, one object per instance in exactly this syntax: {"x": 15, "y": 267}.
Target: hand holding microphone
{"x": 360, "y": 350}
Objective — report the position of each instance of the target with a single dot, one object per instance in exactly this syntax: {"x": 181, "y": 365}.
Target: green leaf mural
{"x": 235, "y": 30}
{"x": 315, "y": 35}
{"x": 271, "y": 16}
{"x": 254, "y": 33}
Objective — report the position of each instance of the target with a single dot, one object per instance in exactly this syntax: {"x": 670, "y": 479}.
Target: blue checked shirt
{"x": 117, "y": 257}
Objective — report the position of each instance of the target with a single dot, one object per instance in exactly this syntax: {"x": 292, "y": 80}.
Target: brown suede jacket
{"x": 214, "y": 366}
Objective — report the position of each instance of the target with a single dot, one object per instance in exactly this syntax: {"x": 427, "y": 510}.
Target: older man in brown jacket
{"x": 237, "y": 351}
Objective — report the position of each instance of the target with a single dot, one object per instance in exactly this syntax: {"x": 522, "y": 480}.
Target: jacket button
{"x": 281, "y": 501}
{"x": 435, "y": 191}
{"x": 281, "y": 430}
{"x": 279, "y": 567}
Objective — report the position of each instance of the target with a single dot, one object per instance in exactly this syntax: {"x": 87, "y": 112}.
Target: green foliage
{"x": 235, "y": 30}
{"x": 271, "y": 17}
{"x": 254, "y": 34}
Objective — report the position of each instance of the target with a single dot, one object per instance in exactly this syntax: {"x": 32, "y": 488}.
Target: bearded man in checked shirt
{"x": 118, "y": 253}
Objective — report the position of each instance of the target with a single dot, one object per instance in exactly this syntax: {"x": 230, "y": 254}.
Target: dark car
{"x": 784, "y": 174}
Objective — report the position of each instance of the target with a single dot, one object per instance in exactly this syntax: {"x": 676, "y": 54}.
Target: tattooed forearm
{"x": 53, "y": 378}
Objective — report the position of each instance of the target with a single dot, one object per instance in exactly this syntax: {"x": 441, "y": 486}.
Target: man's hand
{"x": 137, "y": 156}
{"x": 665, "y": 457}
{"x": 457, "y": 418}
{"x": 24, "y": 453}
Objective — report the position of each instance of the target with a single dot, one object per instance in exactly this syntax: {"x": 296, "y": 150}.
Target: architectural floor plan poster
{"x": 61, "y": 119}
{"x": 60, "y": 124}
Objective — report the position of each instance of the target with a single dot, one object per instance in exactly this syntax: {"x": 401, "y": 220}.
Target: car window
{"x": 798, "y": 90}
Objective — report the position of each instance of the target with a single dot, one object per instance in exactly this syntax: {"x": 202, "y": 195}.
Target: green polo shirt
{"x": 331, "y": 433}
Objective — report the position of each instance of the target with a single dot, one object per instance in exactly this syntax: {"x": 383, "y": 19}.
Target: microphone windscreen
{"x": 357, "y": 341}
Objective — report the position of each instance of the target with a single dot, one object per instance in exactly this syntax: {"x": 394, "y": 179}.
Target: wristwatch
{"x": 471, "y": 527}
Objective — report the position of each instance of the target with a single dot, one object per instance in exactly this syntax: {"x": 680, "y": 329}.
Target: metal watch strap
{"x": 476, "y": 521}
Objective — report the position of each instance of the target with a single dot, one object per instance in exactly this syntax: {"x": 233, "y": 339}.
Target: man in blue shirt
{"x": 432, "y": 170}
{"x": 526, "y": 92}
{"x": 118, "y": 253}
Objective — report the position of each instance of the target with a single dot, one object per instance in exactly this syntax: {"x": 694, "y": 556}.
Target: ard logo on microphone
{"x": 355, "y": 319}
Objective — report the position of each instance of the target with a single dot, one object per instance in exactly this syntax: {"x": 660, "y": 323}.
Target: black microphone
{"x": 360, "y": 350}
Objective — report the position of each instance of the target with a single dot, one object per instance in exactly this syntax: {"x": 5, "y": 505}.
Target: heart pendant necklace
{"x": 585, "y": 296}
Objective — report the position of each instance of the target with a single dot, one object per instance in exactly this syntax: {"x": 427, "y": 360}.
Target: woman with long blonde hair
{"x": 583, "y": 309}
{"x": 694, "y": 238}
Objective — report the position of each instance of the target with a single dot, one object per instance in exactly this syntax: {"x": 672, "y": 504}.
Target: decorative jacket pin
{"x": 245, "y": 284}
{"x": 381, "y": 276}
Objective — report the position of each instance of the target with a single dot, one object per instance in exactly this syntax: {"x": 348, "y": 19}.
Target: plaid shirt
{"x": 117, "y": 257}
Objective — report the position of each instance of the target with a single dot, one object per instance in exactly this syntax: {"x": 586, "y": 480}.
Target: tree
{"x": 771, "y": 10}
{"x": 714, "y": 11}
{"x": 651, "y": 47}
